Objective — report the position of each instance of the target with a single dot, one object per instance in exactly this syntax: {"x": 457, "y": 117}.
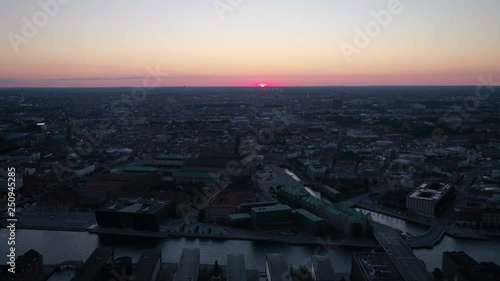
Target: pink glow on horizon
{"x": 471, "y": 78}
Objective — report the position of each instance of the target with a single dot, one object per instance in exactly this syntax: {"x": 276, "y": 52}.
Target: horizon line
{"x": 257, "y": 87}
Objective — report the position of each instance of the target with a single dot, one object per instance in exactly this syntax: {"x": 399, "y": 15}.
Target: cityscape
{"x": 124, "y": 158}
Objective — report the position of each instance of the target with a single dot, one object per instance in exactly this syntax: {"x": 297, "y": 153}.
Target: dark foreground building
{"x": 189, "y": 265}
{"x": 148, "y": 266}
{"x": 94, "y": 268}
{"x": 461, "y": 267}
{"x": 236, "y": 270}
{"x": 101, "y": 266}
{"x": 29, "y": 266}
{"x": 374, "y": 267}
{"x": 277, "y": 268}
{"x": 322, "y": 269}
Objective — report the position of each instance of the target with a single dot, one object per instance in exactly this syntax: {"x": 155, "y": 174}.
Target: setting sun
{"x": 262, "y": 85}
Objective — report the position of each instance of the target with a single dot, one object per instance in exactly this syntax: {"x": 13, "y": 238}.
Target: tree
{"x": 216, "y": 268}
{"x": 357, "y": 230}
{"x": 438, "y": 274}
{"x": 216, "y": 272}
{"x": 201, "y": 215}
{"x": 300, "y": 274}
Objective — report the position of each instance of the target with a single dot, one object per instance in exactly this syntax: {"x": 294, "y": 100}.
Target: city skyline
{"x": 249, "y": 140}
{"x": 246, "y": 43}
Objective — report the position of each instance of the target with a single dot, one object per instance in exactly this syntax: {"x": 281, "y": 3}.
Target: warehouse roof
{"x": 308, "y": 215}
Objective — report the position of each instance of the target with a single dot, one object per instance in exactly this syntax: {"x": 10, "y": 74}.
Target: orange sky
{"x": 283, "y": 43}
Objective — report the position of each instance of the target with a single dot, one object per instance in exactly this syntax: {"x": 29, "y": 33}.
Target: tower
{"x": 237, "y": 145}
{"x": 69, "y": 131}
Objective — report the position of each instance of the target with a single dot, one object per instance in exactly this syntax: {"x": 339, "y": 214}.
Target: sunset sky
{"x": 87, "y": 43}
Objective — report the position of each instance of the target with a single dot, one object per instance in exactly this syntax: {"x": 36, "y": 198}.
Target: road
{"x": 462, "y": 193}
{"x": 273, "y": 176}
{"x": 408, "y": 264}
{"x": 429, "y": 238}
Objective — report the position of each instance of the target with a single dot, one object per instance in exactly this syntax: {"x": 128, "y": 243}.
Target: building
{"x": 491, "y": 217}
{"x": 219, "y": 209}
{"x": 143, "y": 215}
{"x": 84, "y": 170}
{"x": 245, "y": 164}
{"x": 459, "y": 266}
{"x": 29, "y": 266}
{"x": 247, "y": 207}
{"x": 316, "y": 171}
{"x": 271, "y": 217}
{"x": 243, "y": 220}
{"x": 140, "y": 170}
{"x": 337, "y": 103}
{"x": 344, "y": 169}
{"x": 189, "y": 265}
{"x": 469, "y": 213}
{"x": 374, "y": 267}
{"x": 169, "y": 161}
{"x": 277, "y": 268}
{"x": 149, "y": 265}
{"x": 21, "y": 155}
{"x": 346, "y": 220}
{"x": 308, "y": 221}
{"x": 369, "y": 169}
{"x": 235, "y": 269}
{"x": 194, "y": 176}
{"x": 330, "y": 193}
{"x": 429, "y": 198}
{"x": 484, "y": 192}
{"x": 120, "y": 185}
{"x": 94, "y": 267}
{"x": 322, "y": 269}
{"x": 349, "y": 222}
{"x": 399, "y": 174}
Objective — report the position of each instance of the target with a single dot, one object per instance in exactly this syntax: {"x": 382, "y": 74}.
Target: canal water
{"x": 57, "y": 246}
{"x": 406, "y": 227}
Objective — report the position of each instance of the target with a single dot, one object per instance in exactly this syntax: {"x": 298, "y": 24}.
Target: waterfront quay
{"x": 239, "y": 234}
{"x": 83, "y": 221}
